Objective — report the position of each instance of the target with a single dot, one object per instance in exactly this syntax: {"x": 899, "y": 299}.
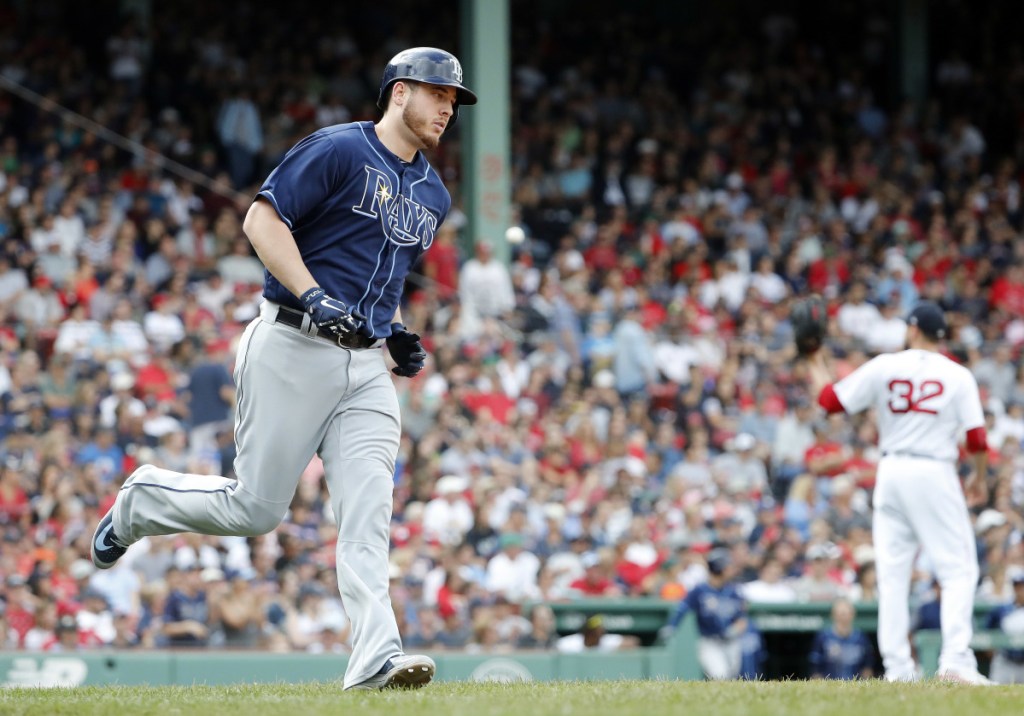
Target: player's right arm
{"x": 306, "y": 176}
{"x": 276, "y": 247}
{"x": 852, "y": 394}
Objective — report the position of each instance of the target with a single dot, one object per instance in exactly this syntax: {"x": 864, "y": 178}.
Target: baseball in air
{"x": 515, "y": 235}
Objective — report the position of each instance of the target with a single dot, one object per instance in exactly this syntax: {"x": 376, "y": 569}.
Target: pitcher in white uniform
{"x": 925, "y": 405}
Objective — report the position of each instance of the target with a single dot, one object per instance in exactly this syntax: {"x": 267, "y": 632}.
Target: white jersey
{"x": 924, "y": 402}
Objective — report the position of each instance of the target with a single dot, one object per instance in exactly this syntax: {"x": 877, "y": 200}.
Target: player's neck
{"x": 921, "y": 345}
{"x": 390, "y": 132}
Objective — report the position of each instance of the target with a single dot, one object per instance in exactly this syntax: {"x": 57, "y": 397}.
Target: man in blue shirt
{"x": 186, "y": 611}
{"x": 841, "y": 651}
{"x": 104, "y": 453}
{"x": 338, "y": 225}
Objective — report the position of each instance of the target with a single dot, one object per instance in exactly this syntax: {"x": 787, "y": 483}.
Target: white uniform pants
{"x": 720, "y": 659}
{"x": 297, "y": 395}
{"x": 919, "y": 503}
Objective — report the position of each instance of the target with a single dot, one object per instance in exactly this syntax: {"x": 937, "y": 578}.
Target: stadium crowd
{"x": 595, "y": 416}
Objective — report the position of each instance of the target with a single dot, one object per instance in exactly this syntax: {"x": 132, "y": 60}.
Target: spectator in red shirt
{"x": 441, "y": 262}
{"x": 13, "y": 499}
{"x": 859, "y": 467}
{"x": 826, "y": 457}
{"x": 595, "y": 582}
{"x": 1007, "y": 293}
{"x": 21, "y": 607}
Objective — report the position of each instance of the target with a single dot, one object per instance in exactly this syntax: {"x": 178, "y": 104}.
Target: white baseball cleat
{"x": 401, "y": 672}
{"x": 964, "y": 676}
{"x": 903, "y": 677}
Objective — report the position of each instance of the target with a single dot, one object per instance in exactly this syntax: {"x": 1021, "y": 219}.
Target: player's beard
{"x": 420, "y": 125}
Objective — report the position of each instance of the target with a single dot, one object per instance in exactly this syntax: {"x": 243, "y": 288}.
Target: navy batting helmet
{"x": 426, "y": 64}
{"x": 718, "y": 561}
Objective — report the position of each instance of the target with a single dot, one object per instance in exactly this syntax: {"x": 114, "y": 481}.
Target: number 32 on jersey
{"x": 905, "y": 397}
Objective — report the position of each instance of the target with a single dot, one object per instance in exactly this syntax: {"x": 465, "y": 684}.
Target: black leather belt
{"x": 293, "y": 318}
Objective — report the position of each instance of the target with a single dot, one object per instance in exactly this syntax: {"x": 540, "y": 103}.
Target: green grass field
{"x": 623, "y": 698}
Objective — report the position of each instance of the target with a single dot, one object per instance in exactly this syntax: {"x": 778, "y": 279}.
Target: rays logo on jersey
{"x": 404, "y": 221}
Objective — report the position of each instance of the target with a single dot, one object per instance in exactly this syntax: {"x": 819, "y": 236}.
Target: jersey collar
{"x": 393, "y": 159}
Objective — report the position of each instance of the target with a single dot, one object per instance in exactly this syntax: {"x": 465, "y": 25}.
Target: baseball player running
{"x": 924, "y": 404}
{"x": 338, "y": 225}
{"x": 721, "y": 619}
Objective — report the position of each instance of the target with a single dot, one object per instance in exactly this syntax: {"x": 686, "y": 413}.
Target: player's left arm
{"x": 972, "y": 417}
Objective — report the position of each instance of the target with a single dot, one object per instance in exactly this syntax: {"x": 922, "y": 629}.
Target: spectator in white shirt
{"x": 857, "y": 318}
{"x": 122, "y": 385}
{"x": 768, "y": 284}
{"x": 69, "y": 228}
{"x": 40, "y": 306}
{"x": 162, "y": 325}
{"x": 770, "y": 585}
{"x": 890, "y": 332}
{"x": 75, "y": 334}
{"x": 240, "y": 266}
{"x": 513, "y": 571}
{"x": 13, "y": 282}
{"x": 129, "y": 332}
{"x": 448, "y": 517}
{"x": 485, "y": 288}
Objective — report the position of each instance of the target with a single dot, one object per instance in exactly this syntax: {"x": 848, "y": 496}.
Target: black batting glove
{"x": 407, "y": 351}
{"x": 331, "y": 314}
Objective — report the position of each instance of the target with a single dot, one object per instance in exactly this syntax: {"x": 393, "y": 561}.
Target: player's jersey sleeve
{"x": 968, "y": 403}
{"x": 307, "y": 175}
{"x": 858, "y": 390}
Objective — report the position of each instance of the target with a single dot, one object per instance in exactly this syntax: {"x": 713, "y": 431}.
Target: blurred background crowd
{"x": 596, "y": 415}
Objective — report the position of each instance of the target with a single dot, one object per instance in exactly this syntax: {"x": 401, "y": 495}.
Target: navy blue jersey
{"x": 716, "y": 609}
{"x": 840, "y": 657}
{"x": 361, "y": 217}
{"x": 1008, "y": 618}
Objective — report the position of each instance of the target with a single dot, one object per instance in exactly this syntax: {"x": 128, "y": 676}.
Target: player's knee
{"x": 260, "y": 522}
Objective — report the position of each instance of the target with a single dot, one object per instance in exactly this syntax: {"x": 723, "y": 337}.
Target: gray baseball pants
{"x": 297, "y": 394}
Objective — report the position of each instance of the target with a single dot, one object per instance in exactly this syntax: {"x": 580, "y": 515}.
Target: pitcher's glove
{"x": 331, "y": 314}
{"x": 809, "y": 319}
{"x": 407, "y": 351}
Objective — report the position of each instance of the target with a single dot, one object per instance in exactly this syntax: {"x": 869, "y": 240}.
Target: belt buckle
{"x": 351, "y": 341}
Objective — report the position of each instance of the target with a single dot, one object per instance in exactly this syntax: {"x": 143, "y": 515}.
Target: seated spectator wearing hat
{"x": 66, "y": 636}
{"x": 740, "y": 466}
{"x": 448, "y": 517}
{"x": 95, "y": 619}
{"x": 822, "y": 581}
{"x": 513, "y": 571}
{"x": 593, "y": 637}
{"x": 1008, "y": 664}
